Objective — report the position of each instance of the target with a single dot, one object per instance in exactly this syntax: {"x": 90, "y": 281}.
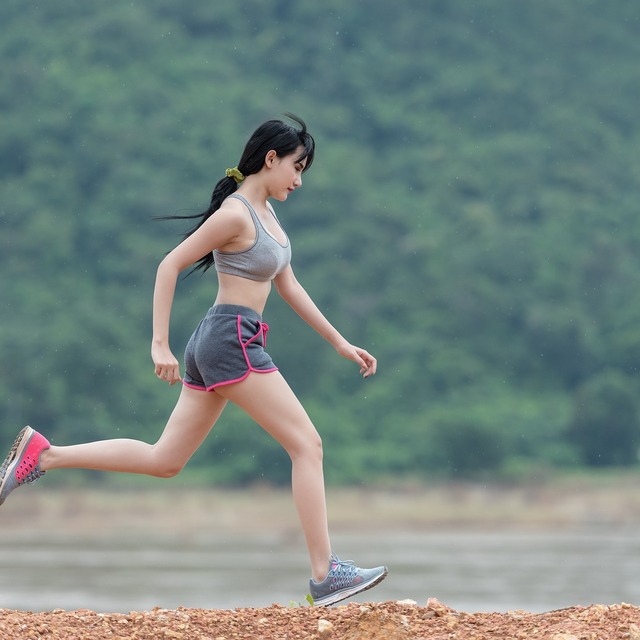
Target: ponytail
{"x": 221, "y": 191}
{"x": 274, "y": 135}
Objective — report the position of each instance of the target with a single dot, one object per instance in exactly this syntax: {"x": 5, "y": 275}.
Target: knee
{"x": 165, "y": 466}
{"x": 316, "y": 446}
{"x": 310, "y": 447}
{"x": 166, "y": 471}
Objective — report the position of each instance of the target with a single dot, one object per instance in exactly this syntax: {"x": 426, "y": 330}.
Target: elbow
{"x": 168, "y": 267}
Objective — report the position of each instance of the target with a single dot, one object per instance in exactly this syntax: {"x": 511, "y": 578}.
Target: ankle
{"x": 319, "y": 577}
{"x": 320, "y": 571}
{"x": 44, "y": 462}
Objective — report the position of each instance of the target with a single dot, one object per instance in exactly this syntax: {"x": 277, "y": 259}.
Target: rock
{"x": 325, "y": 628}
{"x": 436, "y": 606}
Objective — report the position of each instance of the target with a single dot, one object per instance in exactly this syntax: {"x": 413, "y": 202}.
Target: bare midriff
{"x": 242, "y": 291}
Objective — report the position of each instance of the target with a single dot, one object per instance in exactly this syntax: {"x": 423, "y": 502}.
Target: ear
{"x": 270, "y": 158}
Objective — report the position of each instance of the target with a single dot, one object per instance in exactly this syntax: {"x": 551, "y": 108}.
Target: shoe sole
{"x": 17, "y": 449}
{"x": 338, "y": 596}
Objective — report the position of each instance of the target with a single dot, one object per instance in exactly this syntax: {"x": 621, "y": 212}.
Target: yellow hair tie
{"x": 236, "y": 174}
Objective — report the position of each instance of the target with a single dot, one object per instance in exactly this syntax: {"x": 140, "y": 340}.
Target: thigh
{"x": 190, "y": 422}
{"x": 270, "y": 401}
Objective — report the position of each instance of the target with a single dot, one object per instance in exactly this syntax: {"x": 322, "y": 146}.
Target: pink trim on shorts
{"x": 264, "y": 327}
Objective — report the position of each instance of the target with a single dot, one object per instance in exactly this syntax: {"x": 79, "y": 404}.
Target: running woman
{"x": 225, "y": 358}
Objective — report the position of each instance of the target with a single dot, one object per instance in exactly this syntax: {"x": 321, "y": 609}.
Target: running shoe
{"x": 343, "y": 581}
{"x": 22, "y": 465}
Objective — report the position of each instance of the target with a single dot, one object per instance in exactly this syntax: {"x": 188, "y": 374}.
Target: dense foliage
{"x": 471, "y": 219}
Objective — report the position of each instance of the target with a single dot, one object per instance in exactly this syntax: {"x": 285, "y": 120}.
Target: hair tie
{"x": 236, "y": 174}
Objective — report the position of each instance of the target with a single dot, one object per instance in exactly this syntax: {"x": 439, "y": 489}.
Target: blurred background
{"x": 471, "y": 219}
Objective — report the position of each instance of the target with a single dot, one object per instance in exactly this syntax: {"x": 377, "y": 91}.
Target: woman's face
{"x": 286, "y": 173}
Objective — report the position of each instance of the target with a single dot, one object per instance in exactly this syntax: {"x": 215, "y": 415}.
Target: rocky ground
{"x": 382, "y": 621}
{"x": 541, "y": 505}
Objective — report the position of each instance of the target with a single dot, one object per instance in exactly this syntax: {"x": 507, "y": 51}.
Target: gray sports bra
{"x": 262, "y": 261}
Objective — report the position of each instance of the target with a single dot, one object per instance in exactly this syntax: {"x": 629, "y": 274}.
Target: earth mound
{"x": 403, "y": 620}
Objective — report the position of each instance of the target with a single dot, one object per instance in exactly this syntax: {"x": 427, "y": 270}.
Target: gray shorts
{"x": 226, "y": 347}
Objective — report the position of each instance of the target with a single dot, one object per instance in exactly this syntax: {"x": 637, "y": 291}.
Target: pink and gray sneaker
{"x": 22, "y": 465}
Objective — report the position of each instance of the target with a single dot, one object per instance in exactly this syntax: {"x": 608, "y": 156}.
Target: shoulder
{"x": 232, "y": 214}
{"x": 232, "y": 207}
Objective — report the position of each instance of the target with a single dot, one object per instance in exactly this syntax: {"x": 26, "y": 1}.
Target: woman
{"x": 225, "y": 359}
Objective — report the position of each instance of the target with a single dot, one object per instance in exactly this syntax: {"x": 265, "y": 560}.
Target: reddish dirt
{"x": 384, "y": 621}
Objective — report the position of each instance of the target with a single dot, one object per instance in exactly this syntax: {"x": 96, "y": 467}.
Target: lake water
{"x": 468, "y": 570}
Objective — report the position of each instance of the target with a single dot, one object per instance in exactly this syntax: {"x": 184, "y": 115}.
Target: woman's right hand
{"x": 167, "y": 368}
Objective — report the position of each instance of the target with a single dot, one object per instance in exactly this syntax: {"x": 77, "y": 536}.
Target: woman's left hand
{"x": 368, "y": 364}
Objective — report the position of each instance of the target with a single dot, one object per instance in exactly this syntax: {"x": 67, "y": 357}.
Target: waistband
{"x": 235, "y": 310}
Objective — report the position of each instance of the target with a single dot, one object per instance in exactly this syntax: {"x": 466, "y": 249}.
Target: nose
{"x": 298, "y": 181}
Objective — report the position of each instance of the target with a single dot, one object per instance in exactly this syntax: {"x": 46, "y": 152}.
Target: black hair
{"x": 275, "y": 135}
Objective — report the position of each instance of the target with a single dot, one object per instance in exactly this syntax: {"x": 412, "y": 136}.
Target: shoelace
{"x": 342, "y": 573}
{"x": 8, "y": 460}
{"x": 32, "y": 476}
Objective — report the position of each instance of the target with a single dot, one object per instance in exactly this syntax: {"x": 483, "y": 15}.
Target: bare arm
{"x": 219, "y": 230}
{"x": 294, "y": 294}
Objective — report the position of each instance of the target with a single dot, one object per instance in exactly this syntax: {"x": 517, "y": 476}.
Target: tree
{"x": 606, "y": 423}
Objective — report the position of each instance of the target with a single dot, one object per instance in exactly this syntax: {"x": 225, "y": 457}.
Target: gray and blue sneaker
{"x": 343, "y": 581}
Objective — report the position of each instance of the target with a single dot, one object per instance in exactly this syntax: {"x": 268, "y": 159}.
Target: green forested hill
{"x": 471, "y": 219}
